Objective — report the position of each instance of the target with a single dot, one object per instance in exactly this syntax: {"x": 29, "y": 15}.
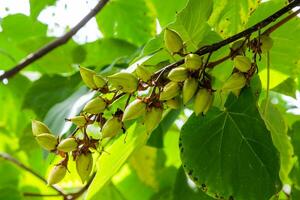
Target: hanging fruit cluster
{"x": 148, "y": 95}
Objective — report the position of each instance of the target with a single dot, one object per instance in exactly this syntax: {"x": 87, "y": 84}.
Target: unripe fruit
{"x": 190, "y": 87}
{"x": 152, "y": 118}
{"x": 170, "y": 91}
{"x": 67, "y": 145}
{"x": 173, "y": 41}
{"x": 209, "y": 104}
{"x": 39, "y": 128}
{"x": 202, "y": 100}
{"x": 193, "y": 61}
{"x": 79, "y": 121}
{"x": 266, "y": 43}
{"x": 84, "y": 165}
{"x": 99, "y": 81}
{"x": 242, "y": 63}
{"x": 47, "y": 141}
{"x": 87, "y": 77}
{"x": 173, "y": 103}
{"x": 111, "y": 127}
{"x": 238, "y": 45}
{"x": 178, "y": 74}
{"x": 143, "y": 73}
{"x": 134, "y": 110}
{"x": 126, "y": 82}
{"x": 235, "y": 82}
{"x": 95, "y": 106}
{"x": 57, "y": 174}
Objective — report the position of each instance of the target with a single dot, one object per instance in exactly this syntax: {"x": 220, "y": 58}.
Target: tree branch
{"x": 210, "y": 48}
{"x": 54, "y": 44}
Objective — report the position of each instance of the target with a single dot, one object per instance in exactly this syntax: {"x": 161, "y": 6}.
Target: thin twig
{"x": 54, "y": 44}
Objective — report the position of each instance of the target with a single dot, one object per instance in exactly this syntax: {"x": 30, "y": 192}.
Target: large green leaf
{"x": 36, "y": 6}
{"x": 278, "y": 128}
{"x": 109, "y": 164}
{"x": 295, "y": 135}
{"x": 230, "y": 152}
{"x": 131, "y": 20}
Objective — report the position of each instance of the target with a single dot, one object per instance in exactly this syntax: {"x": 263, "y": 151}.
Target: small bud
{"x": 152, "y": 118}
{"x": 47, "y": 141}
{"x": 170, "y": 91}
{"x": 99, "y": 81}
{"x": 178, "y": 74}
{"x": 84, "y": 165}
{"x": 202, "y": 99}
{"x": 134, "y": 110}
{"x": 193, "y": 61}
{"x": 190, "y": 87}
{"x": 111, "y": 127}
{"x": 87, "y": 77}
{"x": 173, "y": 103}
{"x": 143, "y": 73}
{"x": 242, "y": 63}
{"x": 79, "y": 120}
{"x": 126, "y": 82}
{"x": 57, "y": 174}
{"x": 235, "y": 82}
{"x": 173, "y": 41}
{"x": 67, "y": 145}
{"x": 266, "y": 43}
{"x": 39, "y": 128}
{"x": 95, "y": 106}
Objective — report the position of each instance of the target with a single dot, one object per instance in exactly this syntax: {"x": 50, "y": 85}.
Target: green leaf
{"x": 36, "y": 6}
{"x": 287, "y": 87}
{"x": 295, "y": 136}
{"x": 10, "y": 193}
{"x": 130, "y": 20}
{"x": 109, "y": 192}
{"x": 109, "y": 164}
{"x": 230, "y": 152}
{"x": 184, "y": 190}
{"x": 278, "y": 128}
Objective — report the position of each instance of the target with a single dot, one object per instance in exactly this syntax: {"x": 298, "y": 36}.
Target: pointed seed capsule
{"x": 134, "y": 110}
{"x": 193, "y": 61}
{"x": 209, "y": 104}
{"x": 178, "y": 74}
{"x": 152, "y": 118}
{"x": 124, "y": 81}
{"x": 84, "y": 165}
{"x": 266, "y": 43}
{"x": 111, "y": 127}
{"x": 170, "y": 91}
{"x": 190, "y": 87}
{"x": 47, "y": 141}
{"x": 143, "y": 73}
{"x": 67, "y": 145}
{"x": 238, "y": 45}
{"x": 95, "y": 106}
{"x": 242, "y": 63}
{"x": 79, "y": 120}
{"x": 173, "y": 103}
{"x": 173, "y": 41}
{"x": 57, "y": 174}
{"x": 235, "y": 82}
{"x": 39, "y": 127}
{"x": 99, "y": 81}
{"x": 202, "y": 100}
{"x": 87, "y": 77}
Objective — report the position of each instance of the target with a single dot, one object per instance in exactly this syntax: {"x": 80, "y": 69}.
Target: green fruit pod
{"x": 173, "y": 41}
{"x": 143, "y": 73}
{"x": 190, "y": 87}
{"x": 202, "y": 100}
{"x": 178, "y": 74}
{"x": 84, "y": 165}
{"x": 87, "y": 77}
{"x": 235, "y": 82}
{"x": 134, "y": 110}
{"x": 242, "y": 63}
{"x": 79, "y": 121}
{"x": 99, "y": 81}
{"x": 124, "y": 81}
{"x": 152, "y": 118}
{"x": 209, "y": 104}
{"x": 95, "y": 106}
{"x": 39, "y": 127}
{"x": 67, "y": 145}
{"x": 237, "y": 45}
{"x": 193, "y": 61}
{"x": 111, "y": 128}
{"x": 170, "y": 91}
{"x": 173, "y": 103}
{"x": 57, "y": 174}
{"x": 266, "y": 43}
{"x": 47, "y": 141}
